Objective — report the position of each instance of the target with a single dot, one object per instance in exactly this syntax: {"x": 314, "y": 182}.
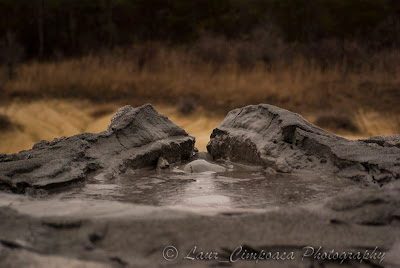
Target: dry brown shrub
{"x": 336, "y": 121}
{"x": 5, "y": 122}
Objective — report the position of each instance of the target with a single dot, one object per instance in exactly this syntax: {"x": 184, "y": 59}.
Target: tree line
{"x": 46, "y": 28}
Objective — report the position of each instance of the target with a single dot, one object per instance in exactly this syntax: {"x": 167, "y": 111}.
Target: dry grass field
{"x": 69, "y": 96}
{"x": 174, "y": 76}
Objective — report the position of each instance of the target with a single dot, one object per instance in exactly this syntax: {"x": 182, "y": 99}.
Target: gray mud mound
{"x": 136, "y": 138}
{"x": 273, "y": 137}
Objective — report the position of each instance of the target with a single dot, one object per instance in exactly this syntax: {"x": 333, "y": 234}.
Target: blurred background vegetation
{"x": 58, "y": 28}
{"x": 335, "y": 61}
{"x": 51, "y": 28}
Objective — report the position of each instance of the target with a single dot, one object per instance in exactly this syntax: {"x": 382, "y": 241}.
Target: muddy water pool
{"x": 239, "y": 187}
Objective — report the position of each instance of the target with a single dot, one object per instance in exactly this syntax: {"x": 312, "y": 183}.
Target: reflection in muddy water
{"x": 240, "y": 187}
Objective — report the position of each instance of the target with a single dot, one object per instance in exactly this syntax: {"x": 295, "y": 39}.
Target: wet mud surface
{"x": 240, "y": 187}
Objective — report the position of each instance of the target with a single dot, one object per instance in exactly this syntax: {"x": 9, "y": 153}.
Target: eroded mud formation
{"x": 136, "y": 137}
{"x": 273, "y": 137}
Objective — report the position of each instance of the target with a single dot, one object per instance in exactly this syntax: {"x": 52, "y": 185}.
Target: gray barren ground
{"x": 81, "y": 232}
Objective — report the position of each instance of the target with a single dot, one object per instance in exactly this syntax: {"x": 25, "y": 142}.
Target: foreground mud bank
{"x": 84, "y": 233}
